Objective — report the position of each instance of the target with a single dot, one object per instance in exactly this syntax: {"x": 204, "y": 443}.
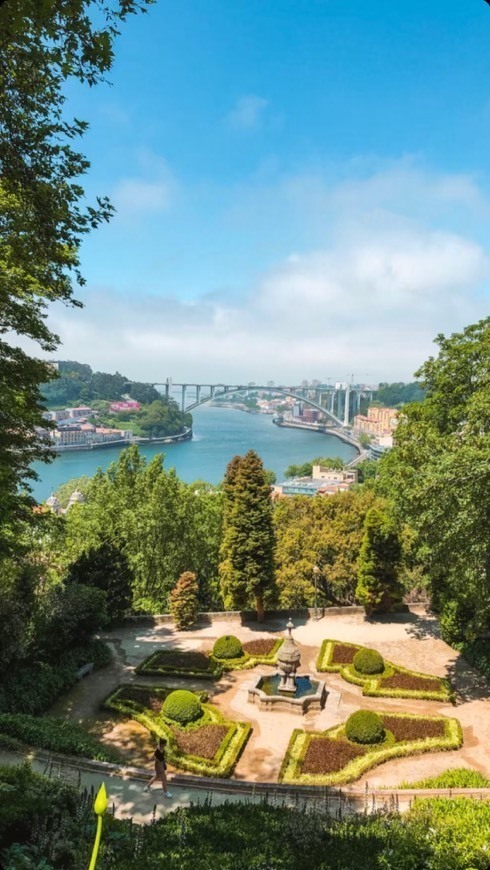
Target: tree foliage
{"x": 393, "y": 395}
{"x": 43, "y": 218}
{"x": 247, "y": 546}
{"x": 438, "y": 475}
{"x": 326, "y": 532}
{"x": 105, "y": 567}
{"x": 160, "y": 525}
{"x": 378, "y": 586}
{"x": 184, "y": 600}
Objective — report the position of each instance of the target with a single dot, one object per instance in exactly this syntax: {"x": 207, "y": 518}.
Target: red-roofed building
{"x": 128, "y": 405}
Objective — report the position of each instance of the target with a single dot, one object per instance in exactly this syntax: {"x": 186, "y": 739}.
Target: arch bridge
{"x": 337, "y": 403}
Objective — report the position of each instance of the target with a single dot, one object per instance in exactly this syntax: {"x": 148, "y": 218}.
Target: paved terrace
{"x": 410, "y": 639}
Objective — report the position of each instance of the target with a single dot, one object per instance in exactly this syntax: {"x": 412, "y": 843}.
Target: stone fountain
{"x": 286, "y": 689}
{"x": 288, "y": 659}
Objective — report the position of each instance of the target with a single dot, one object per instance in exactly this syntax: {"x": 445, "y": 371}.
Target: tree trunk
{"x": 259, "y": 604}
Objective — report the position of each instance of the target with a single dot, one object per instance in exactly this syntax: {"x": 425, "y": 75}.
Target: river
{"x": 219, "y": 434}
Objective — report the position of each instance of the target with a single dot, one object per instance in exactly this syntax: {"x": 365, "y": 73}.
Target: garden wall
{"x": 245, "y": 616}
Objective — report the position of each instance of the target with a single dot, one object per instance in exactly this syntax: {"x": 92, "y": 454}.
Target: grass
{"x": 456, "y": 777}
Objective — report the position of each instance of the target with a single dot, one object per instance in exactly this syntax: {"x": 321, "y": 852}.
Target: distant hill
{"x": 77, "y": 384}
{"x": 393, "y": 395}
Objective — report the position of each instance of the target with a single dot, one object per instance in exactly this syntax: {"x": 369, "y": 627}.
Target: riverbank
{"x": 186, "y": 435}
{"x": 218, "y": 435}
{"x": 322, "y": 430}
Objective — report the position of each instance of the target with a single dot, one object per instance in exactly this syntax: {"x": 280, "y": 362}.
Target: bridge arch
{"x": 283, "y": 391}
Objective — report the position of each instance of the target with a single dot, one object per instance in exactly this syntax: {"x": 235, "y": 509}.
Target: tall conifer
{"x": 247, "y": 548}
{"x": 377, "y": 580}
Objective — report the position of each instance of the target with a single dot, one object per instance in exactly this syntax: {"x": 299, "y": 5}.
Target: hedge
{"x": 45, "y": 823}
{"x": 228, "y": 647}
{"x": 365, "y": 727}
{"x": 216, "y": 667}
{"x": 182, "y": 706}
{"x": 456, "y": 777}
{"x": 372, "y": 686}
{"x": 57, "y": 735}
{"x": 230, "y": 749}
{"x": 298, "y": 745}
{"x": 33, "y": 688}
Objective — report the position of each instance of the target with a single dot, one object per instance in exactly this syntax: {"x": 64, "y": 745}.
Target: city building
{"x": 380, "y": 446}
{"x": 127, "y": 405}
{"x": 77, "y": 413}
{"x": 377, "y": 421}
{"x": 54, "y": 504}
{"x": 324, "y": 481}
{"x": 334, "y": 475}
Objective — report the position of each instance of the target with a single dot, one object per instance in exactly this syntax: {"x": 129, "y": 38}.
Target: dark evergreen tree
{"x": 378, "y": 588}
{"x": 247, "y": 548}
{"x": 105, "y": 567}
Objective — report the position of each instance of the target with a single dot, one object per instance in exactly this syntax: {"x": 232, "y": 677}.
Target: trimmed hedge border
{"x": 216, "y": 669}
{"x": 290, "y": 772}
{"x": 52, "y": 733}
{"x": 372, "y": 686}
{"x": 228, "y": 753}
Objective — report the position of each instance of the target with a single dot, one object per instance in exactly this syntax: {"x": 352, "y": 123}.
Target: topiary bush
{"x": 227, "y": 647}
{"x": 368, "y": 661}
{"x": 182, "y": 706}
{"x": 365, "y": 727}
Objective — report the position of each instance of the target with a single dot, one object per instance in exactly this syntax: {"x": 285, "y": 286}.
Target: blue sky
{"x": 302, "y": 189}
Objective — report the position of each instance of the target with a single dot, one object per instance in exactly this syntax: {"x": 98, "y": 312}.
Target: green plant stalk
{"x": 95, "y": 850}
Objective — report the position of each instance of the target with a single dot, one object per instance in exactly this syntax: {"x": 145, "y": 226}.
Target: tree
{"x": 378, "y": 588}
{"x": 319, "y": 531}
{"x": 43, "y": 216}
{"x": 67, "y": 616}
{"x": 105, "y": 567}
{"x": 183, "y": 600}
{"x": 144, "y": 393}
{"x": 247, "y": 549}
{"x": 438, "y": 475}
{"x": 159, "y": 524}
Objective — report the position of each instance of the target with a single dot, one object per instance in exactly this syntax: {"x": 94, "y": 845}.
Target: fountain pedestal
{"x": 285, "y": 690}
{"x": 288, "y": 659}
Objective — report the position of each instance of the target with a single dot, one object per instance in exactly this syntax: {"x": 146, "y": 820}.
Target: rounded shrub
{"x": 368, "y": 661}
{"x": 365, "y": 727}
{"x": 182, "y": 706}
{"x": 228, "y": 647}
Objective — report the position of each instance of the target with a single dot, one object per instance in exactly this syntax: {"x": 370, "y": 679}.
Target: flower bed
{"x": 204, "y": 741}
{"x": 210, "y": 746}
{"x": 329, "y": 758}
{"x": 203, "y": 665}
{"x": 394, "y": 682}
{"x": 264, "y": 646}
{"x": 182, "y": 663}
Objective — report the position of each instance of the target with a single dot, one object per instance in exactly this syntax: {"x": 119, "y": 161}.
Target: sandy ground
{"x": 411, "y": 640}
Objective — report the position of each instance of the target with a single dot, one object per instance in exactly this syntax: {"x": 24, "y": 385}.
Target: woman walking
{"x": 160, "y": 768}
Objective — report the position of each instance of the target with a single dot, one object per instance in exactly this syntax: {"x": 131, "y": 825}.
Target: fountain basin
{"x": 308, "y": 695}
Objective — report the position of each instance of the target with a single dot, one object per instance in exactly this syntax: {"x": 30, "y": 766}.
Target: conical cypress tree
{"x": 247, "y": 548}
{"x": 378, "y": 588}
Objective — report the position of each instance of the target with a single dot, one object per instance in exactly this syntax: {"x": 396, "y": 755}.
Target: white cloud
{"x": 248, "y": 113}
{"x": 369, "y": 299}
{"x": 152, "y": 191}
